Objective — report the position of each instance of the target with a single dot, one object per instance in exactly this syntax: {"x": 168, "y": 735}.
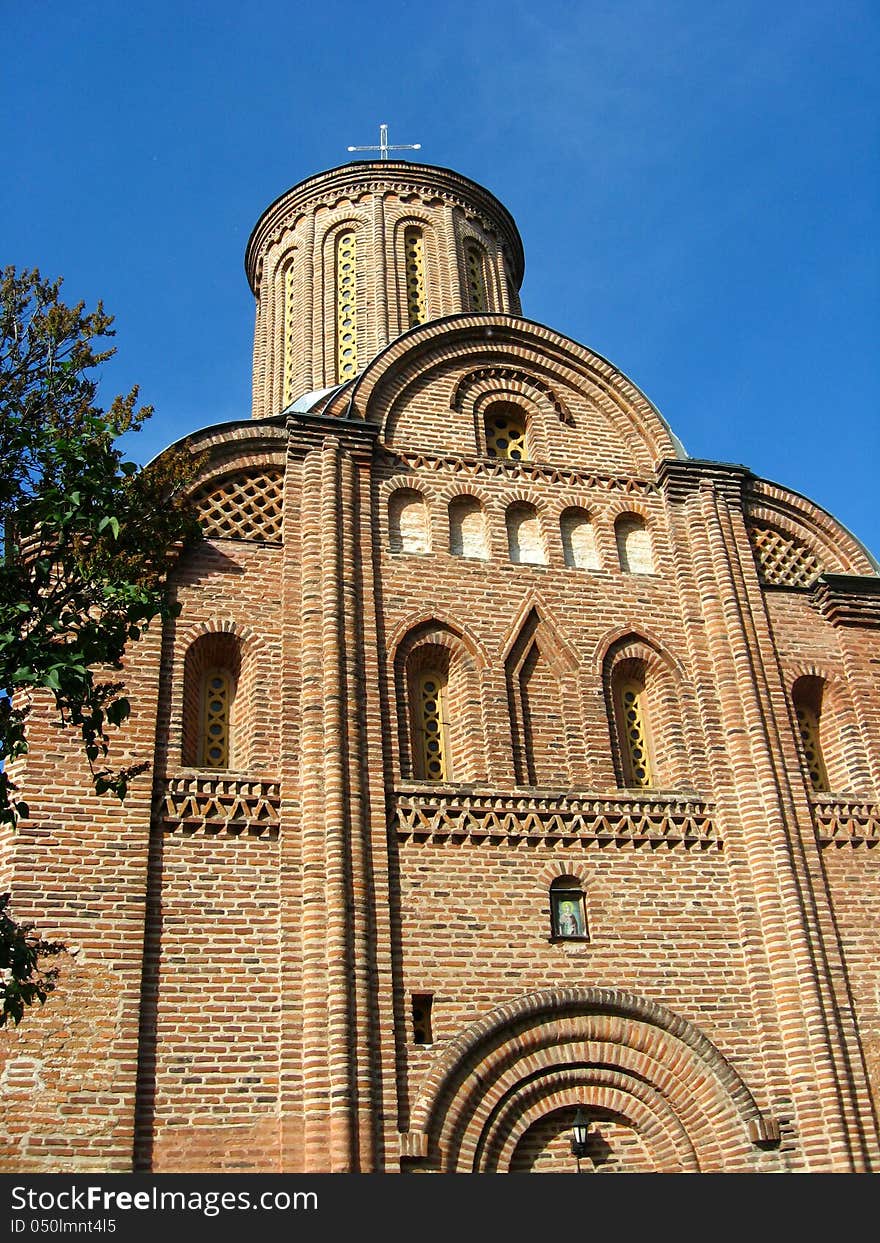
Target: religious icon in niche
{"x": 568, "y": 913}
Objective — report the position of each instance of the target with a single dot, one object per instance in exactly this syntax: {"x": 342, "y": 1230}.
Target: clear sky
{"x": 696, "y": 185}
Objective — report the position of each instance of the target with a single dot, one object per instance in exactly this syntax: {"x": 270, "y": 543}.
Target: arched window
{"x": 408, "y": 528}
{"x": 506, "y": 431}
{"x": 439, "y": 706}
{"x": 467, "y": 528}
{"x": 634, "y": 730}
{"x": 290, "y": 304}
{"x": 634, "y": 544}
{"x": 431, "y": 726}
{"x": 475, "y": 273}
{"x": 346, "y": 306}
{"x": 211, "y": 676}
{"x": 647, "y": 717}
{"x": 414, "y": 258}
{"x": 578, "y": 540}
{"x": 568, "y": 912}
{"x": 807, "y": 697}
{"x": 524, "y": 539}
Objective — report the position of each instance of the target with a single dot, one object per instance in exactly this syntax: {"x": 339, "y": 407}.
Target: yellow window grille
{"x": 346, "y": 307}
{"x": 216, "y": 701}
{"x": 431, "y": 727}
{"x": 289, "y": 324}
{"x": 808, "y": 724}
{"x": 635, "y": 735}
{"x": 506, "y": 434}
{"x": 476, "y": 281}
{"x": 414, "y": 250}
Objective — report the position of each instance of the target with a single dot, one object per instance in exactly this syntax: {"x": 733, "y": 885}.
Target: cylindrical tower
{"x": 349, "y": 259}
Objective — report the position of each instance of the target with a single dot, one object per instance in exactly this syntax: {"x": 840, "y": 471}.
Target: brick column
{"x": 782, "y": 901}
{"x": 340, "y": 1066}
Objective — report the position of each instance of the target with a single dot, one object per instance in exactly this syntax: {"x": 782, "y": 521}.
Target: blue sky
{"x": 696, "y": 186}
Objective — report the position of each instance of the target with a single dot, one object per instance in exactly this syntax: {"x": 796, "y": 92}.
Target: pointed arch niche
{"x": 437, "y": 689}
{"x": 541, "y": 682}
{"x": 644, "y": 704}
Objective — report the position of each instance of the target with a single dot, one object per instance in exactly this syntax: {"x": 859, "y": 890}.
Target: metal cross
{"x": 384, "y": 147}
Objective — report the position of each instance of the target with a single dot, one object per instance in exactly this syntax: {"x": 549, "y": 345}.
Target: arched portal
{"x": 660, "y": 1097}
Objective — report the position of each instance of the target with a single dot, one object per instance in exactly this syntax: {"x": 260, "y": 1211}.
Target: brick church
{"x": 510, "y": 769}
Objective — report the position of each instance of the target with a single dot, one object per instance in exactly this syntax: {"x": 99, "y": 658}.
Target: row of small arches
{"x": 409, "y": 531}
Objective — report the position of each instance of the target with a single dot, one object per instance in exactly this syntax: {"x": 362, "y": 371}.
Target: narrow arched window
{"x": 634, "y": 544}
{"x": 506, "y": 432}
{"x": 290, "y": 303}
{"x": 578, "y": 540}
{"x": 346, "y": 306}
{"x": 633, "y": 728}
{"x": 807, "y": 697}
{"x": 211, "y": 676}
{"x": 467, "y": 528}
{"x": 431, "y": 726}
{"x": 414, "y": 257}
{"x": 408, "y": 529}
{"x": 475, "y": 276}
{"x": 525, "y": 541}
{"x": 568, "y": 914}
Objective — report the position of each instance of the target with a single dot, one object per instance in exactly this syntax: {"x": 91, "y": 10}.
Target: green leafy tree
{"x": 88, "y": 539}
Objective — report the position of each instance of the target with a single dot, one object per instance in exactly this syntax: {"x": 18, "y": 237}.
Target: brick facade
{"x": 246, "y": 939}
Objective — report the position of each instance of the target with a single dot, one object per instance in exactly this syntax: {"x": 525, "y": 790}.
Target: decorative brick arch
{"x": 632, "y": 653}
{"x": 405, "y": 365}
{"x": 561, "y": 868}
{"x": 835, "y": 548}
{"x": 250, "y": 641}
{"x": 255, "y": 712}
{"x": 432, "y": 643}
{"x": 485, "y": 384}
{"x": 614, "y": 1093}
{"x": 409, "y": 631}
{"x": 411, "y": 483}
{"x": 843, "y": 745}
{"x": 600, "y": 1047}
{"x": 559, "y": 502}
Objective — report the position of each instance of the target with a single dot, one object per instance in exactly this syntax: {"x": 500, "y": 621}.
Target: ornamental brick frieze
{"x": 846, "y": 823}
{"x": 532, "y": 472}
{"x": 427, "y": 185}
{"x": 208, "y": 804}
{"x": 522, "y": 380}
{"x": 503, "y": 817}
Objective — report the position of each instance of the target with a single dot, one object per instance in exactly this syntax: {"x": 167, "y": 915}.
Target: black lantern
{"x": 580, "y": 1132}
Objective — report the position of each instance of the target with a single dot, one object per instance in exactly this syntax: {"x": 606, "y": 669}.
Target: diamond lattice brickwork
{"x": 782, "y": 561}
{"x": 244, "y": 507}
